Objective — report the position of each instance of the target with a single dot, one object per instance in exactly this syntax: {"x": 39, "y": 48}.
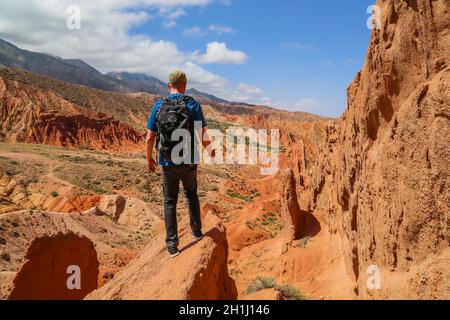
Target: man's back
{"x": 195, "y": 112}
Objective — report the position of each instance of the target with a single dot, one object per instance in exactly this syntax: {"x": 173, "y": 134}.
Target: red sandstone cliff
{"x": 382, "y": 175}
{"x": 31, "y": 114}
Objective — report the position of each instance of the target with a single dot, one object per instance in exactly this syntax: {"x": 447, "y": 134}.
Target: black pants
{"x": 172, "y": 176}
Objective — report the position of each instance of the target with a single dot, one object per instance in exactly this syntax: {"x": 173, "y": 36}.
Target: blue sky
{"x": 297, "y": 50}
{"x": 293, "y": 54}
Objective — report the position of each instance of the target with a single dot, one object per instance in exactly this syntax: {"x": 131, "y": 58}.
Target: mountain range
{"x": 77, "y": 71}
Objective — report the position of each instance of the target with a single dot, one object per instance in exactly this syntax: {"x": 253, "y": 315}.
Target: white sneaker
{"x": 198, "y": 238}
{"x": 173, "y": 252}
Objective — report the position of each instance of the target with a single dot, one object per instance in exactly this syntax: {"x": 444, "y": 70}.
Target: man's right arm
{"x": 152, "y": 129}
{"x": 151, "y": 138}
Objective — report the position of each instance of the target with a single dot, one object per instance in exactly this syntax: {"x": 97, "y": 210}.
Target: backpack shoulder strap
{"x": 177, "y": 100}
{"x": 164, "y": 101}
{"x": 188, "y": 99}
{"x": 167, "y": 100}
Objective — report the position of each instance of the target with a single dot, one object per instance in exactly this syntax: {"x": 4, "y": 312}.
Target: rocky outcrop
{"x": 382, "y": 173}
{"x": 97, "y": 132}
{"x": 115, "y": 245}
{"x": 293, "y": 219}
{"x": 199, "y": 273}
{"x": 59, "y": 267}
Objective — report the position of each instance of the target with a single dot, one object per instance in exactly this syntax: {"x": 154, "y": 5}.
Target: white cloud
{"x": 170, "y": 24}
{"x": 194, "y": 32}
{"x": 172, "y": 13}
{"x": 217, "y": 52}
{"x": 213, "y": 29}
{"x": 220, "y": 30}
{"x": 248, "y": 93}
{"x": 165, "y": 3}
{"x": 248, "y": 90}
{"x": 105, "y": 41}
{"x": 307, "y": 104}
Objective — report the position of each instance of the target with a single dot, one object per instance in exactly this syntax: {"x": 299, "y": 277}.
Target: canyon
{"x": 371, "y": 188}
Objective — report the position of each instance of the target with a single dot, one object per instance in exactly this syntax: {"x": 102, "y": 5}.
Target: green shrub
{"x": 239, "y": 196}
{"x": 54, "y": 194}
{"x": 261, "y": 283}
{"x": 96, "y": 189}
{"x": 289, "y": 292}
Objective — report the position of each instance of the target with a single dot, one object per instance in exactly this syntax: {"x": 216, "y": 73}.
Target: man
{"x": 174, "y": 173}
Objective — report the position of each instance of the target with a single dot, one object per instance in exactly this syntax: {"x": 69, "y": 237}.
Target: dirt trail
{"x": 52, "y": 164}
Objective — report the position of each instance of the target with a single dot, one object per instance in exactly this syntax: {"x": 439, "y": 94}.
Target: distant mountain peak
{"x": 205, "y": 96}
